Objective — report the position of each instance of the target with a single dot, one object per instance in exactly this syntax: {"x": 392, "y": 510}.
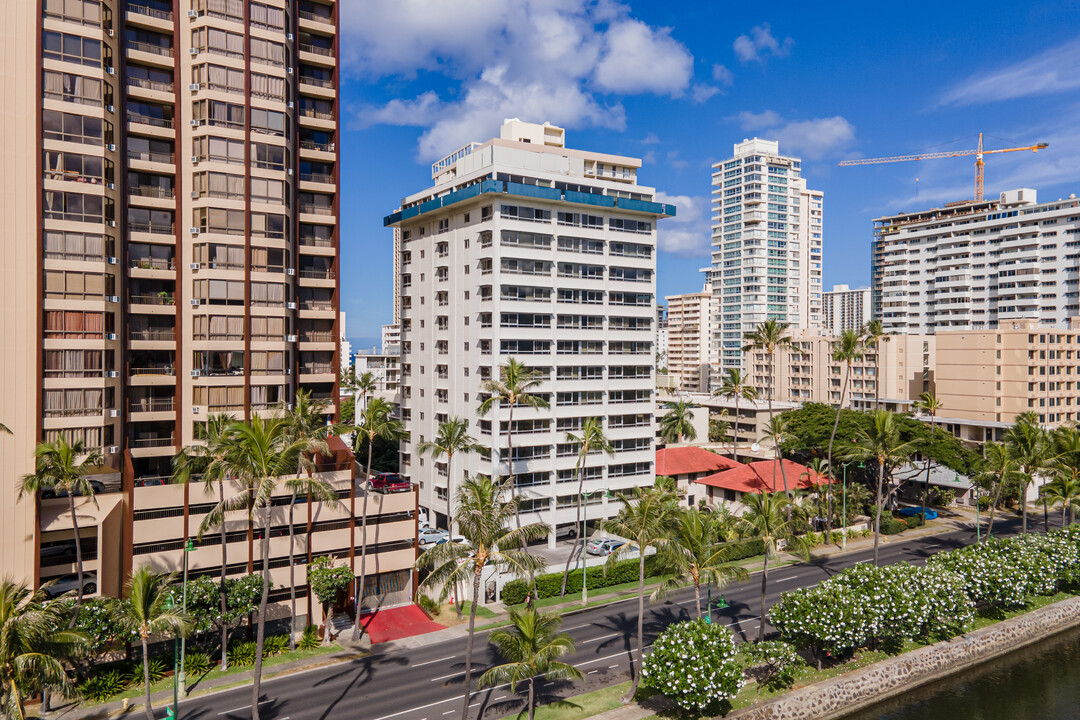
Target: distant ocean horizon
{"x": 364, "y": 344}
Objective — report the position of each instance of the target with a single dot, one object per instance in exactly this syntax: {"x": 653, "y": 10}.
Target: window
{"x": 87, "y": 12}
{"x": 268, "y": 52}
{"x": 69, "y": 127}
{"x": 77, "y": 325}
{"x": 68, "y": 87}
{"x": 581, "y": 220}
{"x": 218, "y": 42}
{"x": 79, "y": 168}
{"x": 625, "y": 249}
{"x": 220, "y": 292}
{"x": 70, "y": 285}
{"x": 216, "y": 220}
{"x": 77, "y": 207}
{"x": 61, "y": 245}
{"x": 634, "y": 226}
{"x": 523, "y": 292}
{"x": 268, "y": 86}
{"x": 267, "y": 17}
{"x": 219, "y": 185}
{"x": 76, "y": 363}
{"x": 267, "y": 191}
{"x": 268, "y": 122}
{"x": 519, "y": 212}
{"x": 270, "y": 157}
{"x": 582, "y": 245}
{"x": 71, "y": 48}
{"x": 512, "y": 238}
{"x": 218, "y": 77}
{"x": 219, "y": 150}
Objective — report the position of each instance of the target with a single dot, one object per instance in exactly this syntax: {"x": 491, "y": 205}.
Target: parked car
{"x": 96, "y": 485}
{"x": 431, "y": 536}
{"x": 68, "y": 583}
{"x": 603, "y": 546}
{"x": 389, "y": 482}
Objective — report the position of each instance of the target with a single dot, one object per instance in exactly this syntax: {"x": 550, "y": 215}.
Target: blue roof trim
{"x": 533, "y": 191}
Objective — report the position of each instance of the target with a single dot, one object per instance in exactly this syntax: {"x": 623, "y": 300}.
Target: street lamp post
{"x": 584, "y": 565}
{"x": 843, "y": 543}
{"x": 181, "y": 675}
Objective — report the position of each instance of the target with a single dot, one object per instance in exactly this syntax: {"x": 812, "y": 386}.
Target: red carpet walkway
{"x": 396, "y": 623}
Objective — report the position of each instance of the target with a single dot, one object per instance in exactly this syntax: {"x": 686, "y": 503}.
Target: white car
{"x": 430, "y": 536}
{"x": 69, "y": 583}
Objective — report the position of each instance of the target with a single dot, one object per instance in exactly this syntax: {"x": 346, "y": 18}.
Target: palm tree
{"x": 735, "y": 386}
{"x": 62, "y": 468}
{"x": 531, "y": 647}
{"x": 305, "y": 423}
{"x": 591, "y": 439}
{"x": 258, "y": 453}
{"x": 874, "y": 332}
{"x": 1062, "y": 490}
{"x": 678, "y": 422}
{"x": 376, "y": 421}
{"x": 645, "y": 521}
{"x": 516, "y": 386}
{"x": 204, "y": 459}
{"x": 363, "y": 384}
{"x": 847, "y": 349}
{"x": 33, "y": 646}
{"x": 773, "y": 519}
{"x": 998, "y": 465}
{"x": 819, "y": 468}
{"x": 769, "y": 337}
{"x": 1030, "y": 447}
{"x": 776, "y": 433}
{"x": 148, "y": 609}
{"x": 451, "y": 438}
{"x": 880, "y": 443}
{"x": 928, "y": 402}
{"x": 696, "y": 555}
{"x": 1067, "y": 463}
{"x": 485, "y": 508}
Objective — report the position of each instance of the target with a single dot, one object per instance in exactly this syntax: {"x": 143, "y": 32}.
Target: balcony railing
{"x": 133, "y": 117}
{"x": 317, "y": 274}
{"x": 150, "y": 156}
{"x": 316, "y": 209}
{"x": 157, "y": 229}
{"x": 316, "y": 305}
{"x": 161, "y": 370}
{"x": 150, "y": 84}
{"x": 152, "y": 191}
{"x": 152, "y": 442}
{"x": 146, "y": 263}
{"x": 154, "y": 334}
{"x": 150, "y": 12}
{"x": 317, "y": 336}
{"x": 152, "y": 299}
{"x": 317, "y": 114}
{"x": 305, "y": 47}
{"x": 317, "y": 177}
{"x": 316, "y": 369}
{"x": 316, "y": 242}
{"x": 309, "y": 80}
{"x": 148, "y": 405}
{"x": 312, "y": 145}
{"x": 165, "y": 50}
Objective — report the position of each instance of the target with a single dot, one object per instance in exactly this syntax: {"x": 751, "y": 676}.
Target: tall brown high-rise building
{"x": 170, "y": 252}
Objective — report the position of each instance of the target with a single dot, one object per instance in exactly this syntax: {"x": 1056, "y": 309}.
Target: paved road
{"x": 425, "y": 683}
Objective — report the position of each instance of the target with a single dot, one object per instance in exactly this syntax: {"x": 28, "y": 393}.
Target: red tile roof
{"x": 686, "y": 460}
{"x": 765, "y": 476}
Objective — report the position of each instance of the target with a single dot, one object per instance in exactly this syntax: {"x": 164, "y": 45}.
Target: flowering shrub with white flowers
{"x": 693, "y": 663}
{"x": 777, "y": 660}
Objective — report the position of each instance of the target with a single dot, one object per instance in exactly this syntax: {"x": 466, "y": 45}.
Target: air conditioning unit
{"x": 193, "y": 51}
{"x": 111, "y": 186}
{"x": 290, "y": 305}
{"x": 288, "y": 406}
{"x": 194, "y": 302}
{"x": 194, "y": 123}
{"x": 194, "y": 194}
{"x": 193, "y": 87}
{"x": 110, "y": 108}
{"x": 194, "y": 159}
{"x": 194, "y": 230}
{"x": 290, "y": 104}
{"x": 112, "y": 223}
{"x": 112, "y": 147}
{"x": 112, "y": 374}
{"x": 290, "y": 338}
{"x": 288, "y": 71}
{"x": 193, "y": 13}
{"x": 290, "y": 271}
{"x": 110, "y": 70}
{"x": 111, "y": 260}
{"x": 288, "y": 36}
{"x": 113, "y": 298}
{"x": 288, "y": 371}
{"x": 289, "y": 171}
{"x": 195, "y": 409}
{"x": 114, "y": 413}
{"x": 113, "y": 449}
{"x": 193, "y": 266}
{"x": 195, "y": 373}
{"x": 110, "y": 336}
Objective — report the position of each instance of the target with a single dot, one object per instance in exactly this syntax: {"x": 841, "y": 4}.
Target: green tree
{"x": 516, "y": 387}
{"x": 376, "y": 420}
{"x": 62, "y": 468}
{"x": 305, "y": 423}
{"x": 998, "y": 467}
{"x": 591, "y": 440}
{"x": 1029, "y": 446}
{"x": 327, "y": 582}
{"x": 645, "y": 521}
{"x": 847, "y": 349}
{"x": 452, "y": 438}
{"x": 203, "y": 603}
{"x": 347, "y": 411}
{"x": 928, "y": 402}
{"x": 678, "y": 422}
{"x": 775, "y": 520}
{"x": 1067, "y": 464}
{"x": 363, "y": 384}
{"x": 696, "y": 555}
{"x": 776, "y": 433}
{"x": 735, "y": 387}
{"x": 485, "y": 508}
{"x": 147, "y": 610}
{"x": 205, "y": 459}
{"x": 880, "y": 443}
{"x": 34, "y": 644}
{"x": 769, "y": 337}
{"x": 874, "y": 332}
{"x": 531, "y": 647}
{"x": 258, "y": 453}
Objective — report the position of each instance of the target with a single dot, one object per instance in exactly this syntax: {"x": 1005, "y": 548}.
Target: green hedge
{"x": 892, "y": 526}
{"x": 550, "y": 584}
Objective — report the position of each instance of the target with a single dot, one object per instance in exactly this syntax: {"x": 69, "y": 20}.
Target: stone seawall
{"x": 838, "y": 696}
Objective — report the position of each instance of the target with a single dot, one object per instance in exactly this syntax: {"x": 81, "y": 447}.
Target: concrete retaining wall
{"x": 836, "y": 697}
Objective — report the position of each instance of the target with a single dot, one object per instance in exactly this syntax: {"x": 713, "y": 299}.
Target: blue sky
{"x": 677, "y": 83}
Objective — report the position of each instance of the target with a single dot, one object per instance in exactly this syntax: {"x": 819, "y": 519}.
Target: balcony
{"x": 153, "y": 371}
{"x": 315, "y": 50}
{"x": 317, "y": 274}
{"x": 316, "y": 305}
{"x": 313, "y": 145}
{"x": 316, "y": 368}
{"x": 162, "y": 298}
{"x": 312, "y": 209}
{"x": 317, "y": 336}
{"x": 166, "y": 158}
{"x": 149, "y": 263}
{"x": 153, "y": 335}
{"x": 153, "y": 442}
{"x": 150, "y": 405}
{"x": 152, "y": 191}
{"x": 163, "y": 51}
{"x": 150, "y": 12}
{"x": 317, "y": 82}
{"x": 155, "y": 229}
{"x": 323, "y": 178}
{"x": 133, "y": 117}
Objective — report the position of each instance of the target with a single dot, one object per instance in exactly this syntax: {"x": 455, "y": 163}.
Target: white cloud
{"x": 540, "y": 61}
{"x": 651, "y": 139}
{"x": 760, "y": 44}
{"x": 811, "y": 139}
{"x": 688, "y": 234}
{"x": 674, "y": 160}
{"x": 639, "y": 59}
{"x": 1053, "y": 71}
{"x": 722, "y": 75}
{"x": 702, "y": 92}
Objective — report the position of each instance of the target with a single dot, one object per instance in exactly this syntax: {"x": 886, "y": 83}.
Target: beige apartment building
{"x": 992, "y": 376}
{"x": 806, "y": 372}
{"x": 171, "y": 196}
{"x": 689, "y": 318}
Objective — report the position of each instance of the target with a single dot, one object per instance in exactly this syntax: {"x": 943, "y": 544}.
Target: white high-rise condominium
{"x": 766, "y": 238}
{"x": 526, "y": 249}
{"x": 845, "y": 309}
{"x": 688, "y": 321}
{"x": 975, "y": 265}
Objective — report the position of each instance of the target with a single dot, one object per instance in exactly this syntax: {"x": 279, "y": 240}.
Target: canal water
{"x": 1041, "y": 682}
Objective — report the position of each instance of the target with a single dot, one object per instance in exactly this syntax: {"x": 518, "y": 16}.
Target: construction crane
{"x": 977, "y": 152}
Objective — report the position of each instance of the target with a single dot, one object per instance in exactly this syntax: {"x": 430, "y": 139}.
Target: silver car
{"x": 69, "y": 583}
{"x": 603, "y": 546}
{"x": 430, "y": 536}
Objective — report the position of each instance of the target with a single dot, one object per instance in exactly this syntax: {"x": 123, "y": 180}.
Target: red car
{"x": 390, "y": 482}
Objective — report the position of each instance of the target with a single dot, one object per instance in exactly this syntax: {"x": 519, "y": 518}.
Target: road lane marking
{"x": 602, "y": 637}
{"x": 432, "y": 662}
{"x": 246, "y": 707}
{"x": 612, "y": 666}
{"x": 448, "y": 712}
{"x": 447, "y": 677}
{"x": 592, "y": 671}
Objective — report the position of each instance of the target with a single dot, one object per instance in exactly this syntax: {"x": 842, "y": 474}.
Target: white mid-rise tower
{"x": 526, "y": 249}
{"x": 766, "y": 238}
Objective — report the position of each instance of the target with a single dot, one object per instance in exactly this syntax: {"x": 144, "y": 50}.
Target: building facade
{"x": 766, "y": 240}
{"x": 172, "y": 197}
{"x": 978, "y": 265}
{"x": 689, "y": 318}
{"x": 845, "y": 309}
{"x": 526, "y": 249}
